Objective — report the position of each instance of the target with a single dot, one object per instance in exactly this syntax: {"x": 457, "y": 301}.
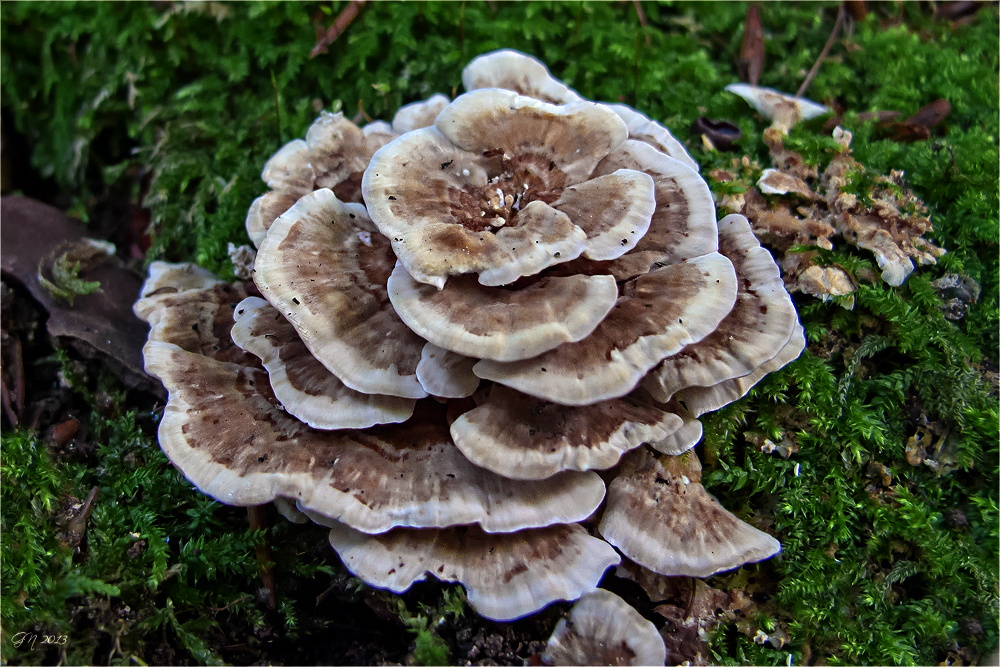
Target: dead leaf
{"x": 97, "y": 324}
{"x": 958, "y": 11}
{"x": 857, "y": 9}
{"x": 721, "y": 133}
{"x": 931, "y": 114}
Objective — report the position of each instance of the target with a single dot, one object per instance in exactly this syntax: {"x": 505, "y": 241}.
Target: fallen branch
{"x": 822, "y": 54}
{"x": 642, "y": 20}
{"x": 338, "y": 27}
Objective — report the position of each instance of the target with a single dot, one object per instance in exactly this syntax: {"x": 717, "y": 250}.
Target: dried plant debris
{"x": 792, "y": 206}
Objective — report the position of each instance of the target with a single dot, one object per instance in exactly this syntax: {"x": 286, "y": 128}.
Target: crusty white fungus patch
{"x": 782, "y": 109}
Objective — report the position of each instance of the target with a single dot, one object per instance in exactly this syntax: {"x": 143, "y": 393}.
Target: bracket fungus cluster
{"x": 514, "y": 286}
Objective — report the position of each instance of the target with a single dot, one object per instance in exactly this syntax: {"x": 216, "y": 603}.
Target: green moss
{"x": 875, "y": 568}
{"x": 428, "y": 646}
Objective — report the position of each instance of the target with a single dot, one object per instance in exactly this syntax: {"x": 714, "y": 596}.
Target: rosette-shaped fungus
{"x": 522, "y": 285}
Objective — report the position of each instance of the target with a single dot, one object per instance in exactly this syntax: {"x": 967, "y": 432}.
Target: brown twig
{"x": 7, "y": 408}
{"x": 822, "y": 54}
{"x": 364, "y": 114}
{"x": 325, "y": 594}
{"x": 492, "y": 5}
{"x": 642, "y": 20}
{"x": 258, "y": 521}
{"x": 18, "y": 378}
{"x": 691, "y": 597}
{"x": 339, "y": 26}
{"x": 216, "y": 610}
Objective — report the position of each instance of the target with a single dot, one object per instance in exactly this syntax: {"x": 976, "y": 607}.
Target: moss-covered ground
{"x": 888, "y": 559}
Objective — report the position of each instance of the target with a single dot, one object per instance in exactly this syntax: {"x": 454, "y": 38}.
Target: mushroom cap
{"x": 506, "y": 576}
{"x": 197, "y": 320}
{"x": 377, "y": 134}
{"x": 418, "y": 114}
{"x": 305, "y": 387}
{"x": 613, "y": 209}
{"x": 659, "y": 515}
{"x": 333, "y": 155}
{"x": 265, "y": 210}
{"x": 430, "y": 190}
{"x": 575, "y": 136}
{"x": 337, "y": 149}
{"x": 223, "y": 430}
{"x": 497, "y": 323}
{"x": 683, "y": 223}
{"x": 446, "y": 374}
{"x": 325, "y": 267}
{"x": 289, "y": 168}
{"x": 167, "y": 278}
{"x": 642, "y": 128}
{"x": 513, "y": 70}
{"x": 784, "y": 109}
{"x": 754, "y": 331}
{"x": 656, "y": 315}
{"x": 417, "y": 191}
{"x": 684, "y": 438}
{"x": 522, "y": 437}
{"x": 700, "y": 400}
{"x": 603, "y": 629}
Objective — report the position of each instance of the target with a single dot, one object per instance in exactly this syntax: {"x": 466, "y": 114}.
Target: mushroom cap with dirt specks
{"x": 513, "y": 70}
{"x": 660, "y": 516}
{"x": 324, "y": 266}
{"x": 223, "y": 429}
{"x": 502, "y": 187}
{"x": 782, "y": 109}
{"x": 602, "y": 629}
{"x": 506, "y": 576}
{"x": 304, "y": 386}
